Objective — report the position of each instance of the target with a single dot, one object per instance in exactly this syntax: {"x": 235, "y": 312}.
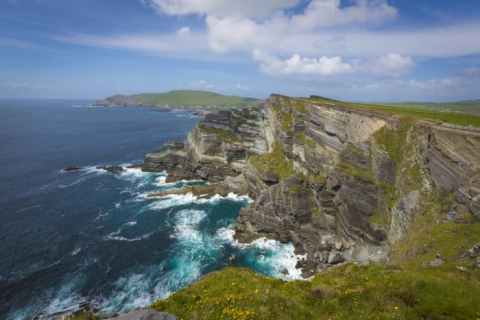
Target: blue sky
{"x": 369, "y": 50}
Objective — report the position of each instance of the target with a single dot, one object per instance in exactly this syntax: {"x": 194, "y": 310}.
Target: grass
{"x": 189, "y": 98}
{"x": 222, "y": 134}
{"x": 431, "y": 233}
{"x": 406, "y": 289}
{"x": 470, "y": 106}
{"x": 274, "y": 162}
{"x": 410, "y": 111}
{"x": 346, "y": 292}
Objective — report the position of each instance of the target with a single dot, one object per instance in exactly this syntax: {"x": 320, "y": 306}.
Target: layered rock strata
{"x": 339, "y": 183}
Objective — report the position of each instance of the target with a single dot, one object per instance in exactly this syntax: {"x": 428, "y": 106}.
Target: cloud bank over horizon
{"x": 341, "y": 48}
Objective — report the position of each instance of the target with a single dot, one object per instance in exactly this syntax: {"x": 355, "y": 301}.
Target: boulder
{"x": 335, "y": 257}
{"x": 71, "y": 169}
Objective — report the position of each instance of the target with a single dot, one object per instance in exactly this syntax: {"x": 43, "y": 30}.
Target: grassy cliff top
{"x": 465, "y": 113}
{"x": 347, "y": 292}
{"x": 467, "y": 106}
{"x": 193, "y": 98}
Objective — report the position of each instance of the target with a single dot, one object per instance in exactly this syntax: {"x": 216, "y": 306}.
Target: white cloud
{"x": 392, "y": 64}
{"x": 282, "y": 33}
{"x": 321, "y": 13}
{"x": 323, "y": 66}
{"x": 329, "y": 37}
{"x": 436, "y": 84}
{"x": 223, "y": 8}
{"x": 182, "y": 41}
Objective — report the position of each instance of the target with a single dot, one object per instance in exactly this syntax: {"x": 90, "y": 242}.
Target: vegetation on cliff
{"x": 412, "y": 111}
{"x": 182, "y": 98}
{"x": 363, "y": 174}
{"x": 467, "y": 106}
{"x": 346, "y": 292}
{"x": 273, "y": 163}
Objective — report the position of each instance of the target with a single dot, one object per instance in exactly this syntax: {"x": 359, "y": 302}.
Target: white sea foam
{"x": 76, "y": 251}
{"x": 186, "y": 227}
{"x": 162, "y": 182}
{"x": 132, "y": 291}
{"x": 226, "y": 235}
{"x": 114, "y": 237}
{"x": 281, "y": 258}
{"x": 93, "y": 170}
{"x": 278, "y": 257}
{"x": 66, "y": 298}
{"x": 176, "y": 200}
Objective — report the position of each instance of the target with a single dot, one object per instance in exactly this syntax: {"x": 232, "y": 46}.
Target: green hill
{"x": 179, "y": 99}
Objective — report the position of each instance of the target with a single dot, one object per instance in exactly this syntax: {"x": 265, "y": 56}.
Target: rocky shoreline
{"x": 341, "y": 184}
{"x": 325, "y": 177}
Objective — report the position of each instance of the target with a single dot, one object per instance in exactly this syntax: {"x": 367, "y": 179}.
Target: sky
{"x": 361, "y": 50}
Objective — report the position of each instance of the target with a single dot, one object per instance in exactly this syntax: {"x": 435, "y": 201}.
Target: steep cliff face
{"x": 339, "y": 183}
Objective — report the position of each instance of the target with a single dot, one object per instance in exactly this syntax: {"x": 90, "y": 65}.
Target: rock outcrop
{"x": 339, "y": 183}
{"x": 145, "y": 314}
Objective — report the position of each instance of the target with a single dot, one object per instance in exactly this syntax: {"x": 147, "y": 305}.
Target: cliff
{"x": 340, "y": 182}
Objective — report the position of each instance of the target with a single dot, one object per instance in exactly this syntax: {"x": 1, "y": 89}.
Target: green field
{"x": 468, "y": 106}
{"x": 191, "y": 98}
{"x": 466, "y": 113}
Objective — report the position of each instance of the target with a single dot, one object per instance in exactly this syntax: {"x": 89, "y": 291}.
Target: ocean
{"x": 89, "y": 236}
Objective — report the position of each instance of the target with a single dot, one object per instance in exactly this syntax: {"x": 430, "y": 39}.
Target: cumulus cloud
{"x": 436, "y": 84}
{"x": 327, "y": 13}
{"x": 392, "y": 64}
{"x": 325, "y": 38}
{"x": 243, "y": 8}
{"x": 296, "y": 64}
{"x": 227, "y": 33}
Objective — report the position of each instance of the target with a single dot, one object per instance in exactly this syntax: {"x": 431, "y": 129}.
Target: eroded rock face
{"x": 452, "y": 156}
{"x": 340, "y": 184}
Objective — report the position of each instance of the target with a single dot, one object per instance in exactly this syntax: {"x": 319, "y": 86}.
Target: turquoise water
{"x": 91, "y": 236}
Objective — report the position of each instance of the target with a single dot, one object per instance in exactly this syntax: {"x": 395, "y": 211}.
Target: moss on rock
{"x": 274, "y": 162}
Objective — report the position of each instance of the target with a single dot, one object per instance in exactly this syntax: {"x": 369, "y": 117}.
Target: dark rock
{"x": 436, "y": 263}
{"x": 72, "y": 169}
{"x": 335, "y": 257}
{"x": 344, "y": 177}
{"x": 474, "y": 251}
{"x": 145, "y": 314}
{"x": 112, "y": 169}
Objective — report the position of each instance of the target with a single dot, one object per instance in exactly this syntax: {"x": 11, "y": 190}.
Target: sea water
{"x": 89, "y": 236}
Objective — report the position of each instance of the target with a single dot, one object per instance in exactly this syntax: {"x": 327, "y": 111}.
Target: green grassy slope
{"x": 344, "y": 293}
{"x": 193, "y": 98}
{"x": 468, "y": 106}
{"x": 414, "y": 111}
